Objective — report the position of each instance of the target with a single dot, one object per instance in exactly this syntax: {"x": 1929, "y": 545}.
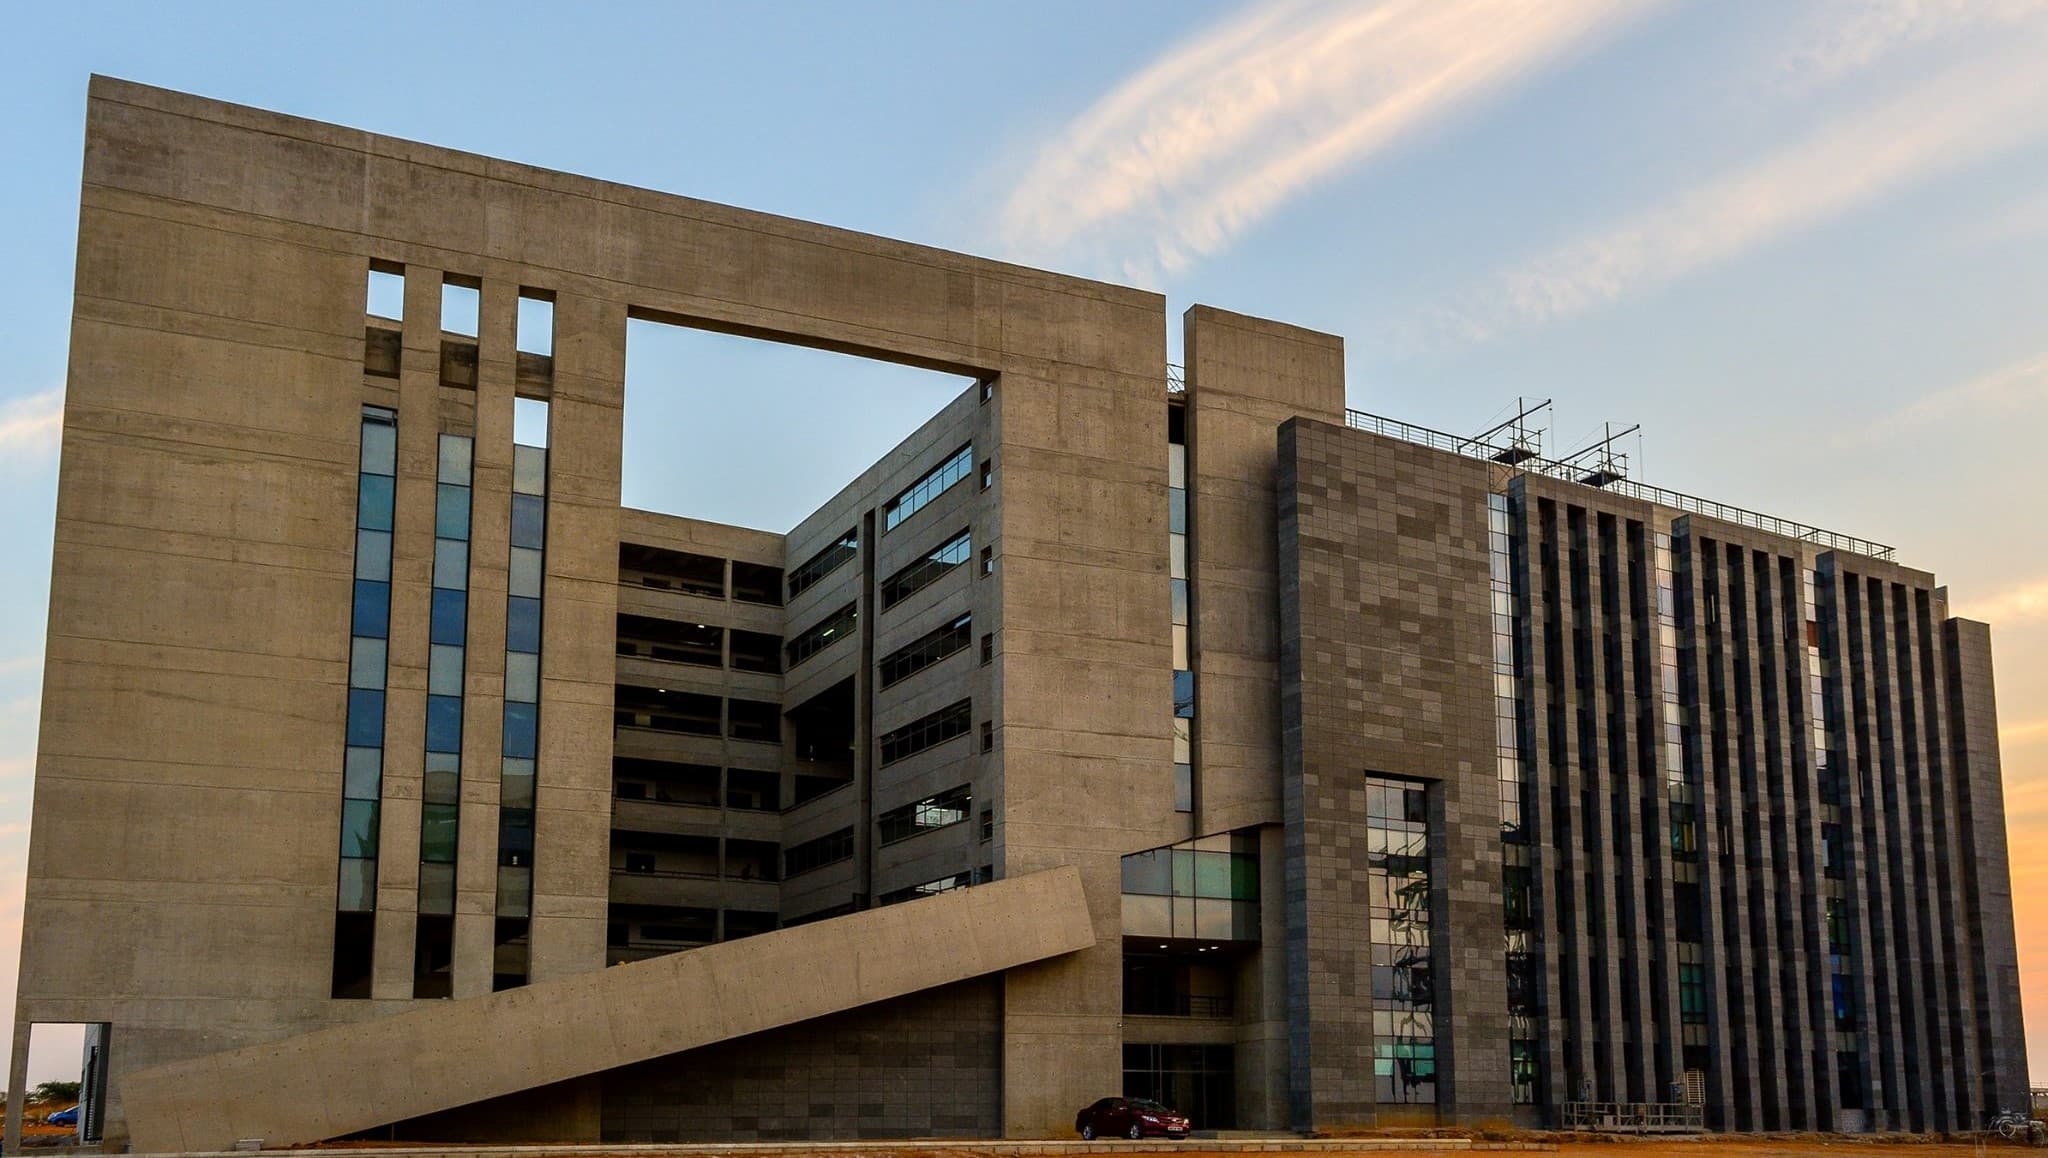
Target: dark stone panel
{"x": 924, "y": 1066}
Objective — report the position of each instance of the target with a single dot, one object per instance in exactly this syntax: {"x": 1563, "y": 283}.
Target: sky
{"x": 1804, "y": 243}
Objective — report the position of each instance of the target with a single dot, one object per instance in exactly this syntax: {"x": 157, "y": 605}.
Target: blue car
{"x": 64, "y": 1117}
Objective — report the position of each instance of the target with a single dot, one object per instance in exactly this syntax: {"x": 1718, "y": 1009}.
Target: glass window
{"x": 451, "y": 564}
{"x": 529, "y": 470}
{"x": 522, "y": 677}
{"x": 359, "y": 828}
{"x": 358, "y": 885}
{"x": 515, "y": 888}
{"x": 374, "y": 493}
{"x": 927, "y": 649}
{"x": 529, "y": 521}
{"x": 372, "y": 609}
{"x": 373, "y": 555}
{"x": 444, "y": 670}
{"x": 443, "y": 781}
{"x": 1180, "y": 600}
{"x": 526, "y": 570}
{"x": 515, "y": 784}
{"x": 522, "y": 723}
{"x": 437, "y": 833}
{"x": 451, "y": 512}
{"x": 1146, "y": 872}
{"x": 928, "y": 731}
{"x": 380, "y": 449}
{"x": 947, "y": 808}
{"x": 459, "y": 309}
{"x": 365, "y": 718}
{"x": 927, "y": 570}
{"x": 1177, "y": 511}
{"x": 834, "y": 627}
{"x": 444, "y": 723}
{"x": 1184, "y": 694}
{"x": 362, "y": 773}
{"x": 515, "y": 837}
{"x": 931, "y": 486}
{"x": 366, "y": 662}
{"x": 450, "y": 618}
{"x": 454, "y": 465}
{"x": 824, "y": 562}
{"x": 530, "y": 422}
{"x": 522, "y": 624}
{"x": 535, "y": 333}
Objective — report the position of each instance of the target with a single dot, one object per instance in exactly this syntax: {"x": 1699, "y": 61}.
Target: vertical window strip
{"x": 519, "y": 770}
{"x": 1517, "y": 883}
{"x": 1183, "y": 675}
{"x": 370, "y": 629}
{"x": 447, "y": 662}
{"x": 1835, "y": 854}
{"x": 1403, "y": 980}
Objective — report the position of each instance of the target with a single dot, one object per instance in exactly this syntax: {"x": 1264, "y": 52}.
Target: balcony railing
{"x": 1473, "y": 448}
{"x": 1635, "y": 1117}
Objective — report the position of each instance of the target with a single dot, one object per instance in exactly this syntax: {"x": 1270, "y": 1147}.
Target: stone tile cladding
{"x": 1385, "y": 668}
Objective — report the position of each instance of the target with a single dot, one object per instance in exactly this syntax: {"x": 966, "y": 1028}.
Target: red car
{"x": 1131, "y": 1118}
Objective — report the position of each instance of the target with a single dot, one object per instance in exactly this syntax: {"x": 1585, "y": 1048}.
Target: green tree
{"x": 55, "y": 1092}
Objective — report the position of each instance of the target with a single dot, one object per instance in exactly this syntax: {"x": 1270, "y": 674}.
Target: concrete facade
{"x": 954, "y": 684}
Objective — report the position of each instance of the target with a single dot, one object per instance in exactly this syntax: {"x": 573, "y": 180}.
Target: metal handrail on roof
{"x": 1176, "y": 379}
{"x": 1691, "y": 504}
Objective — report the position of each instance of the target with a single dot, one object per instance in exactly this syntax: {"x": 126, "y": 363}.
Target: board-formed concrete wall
{"x": 182, "y": 873}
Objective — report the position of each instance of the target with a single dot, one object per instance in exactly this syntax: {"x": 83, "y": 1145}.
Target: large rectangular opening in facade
{"x": 757, "y": 432}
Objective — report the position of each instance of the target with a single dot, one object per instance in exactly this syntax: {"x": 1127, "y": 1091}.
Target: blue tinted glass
{"x": 444, "y": 723}
{"x": 1184, "y": 694}
{"x": 365, "y": 718}
{"x": 372, "y": 609}
{"x": 451, "y": 616}
{"x": 1177, "y": 511}
{"x": 451, "y": 512}
{"x": 373, "y": 501}
{"x": 529, "y": 520}
{"x": 521, "y": 725}
{"x": 522, "y": 625}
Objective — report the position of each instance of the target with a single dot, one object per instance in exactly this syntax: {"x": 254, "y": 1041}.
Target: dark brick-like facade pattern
{"x": 1386, "y": 668}
{"x": 926, "y": 1066}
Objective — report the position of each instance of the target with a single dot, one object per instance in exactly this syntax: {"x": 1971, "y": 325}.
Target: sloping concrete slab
{"x": 452, "y": 1053}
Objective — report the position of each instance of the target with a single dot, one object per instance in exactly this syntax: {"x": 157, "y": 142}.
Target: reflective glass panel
{"x": 444, "y": 670}
{"x": 437, "y": 833}
{"x": 366, "y": 662}
{"x": 373, "y": 555}
{"x": 365, "y": 718}
{"x": 362, "y": 773}
{"x": 529, "y": 520}
{"x": 444, "y": 723}
{"x": 451, "y": 512}
{"x": 522, "y": 677}
{"x": 451, "y": 564}
{"x": 359, "y": 828}
{"x": 521, "y": 727}
{"x": 373, "y": 501}
{"x": 380, "y": 449}
{"x": 522, "y": 624}
{"x": 450, "y": 618}
{"x": 372, "y": 615}
{"x": 526, "y": 564}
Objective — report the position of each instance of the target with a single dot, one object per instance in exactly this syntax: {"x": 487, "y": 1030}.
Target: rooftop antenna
{"x": 1608, "y": 465}
{"x": 1524, "y": 442}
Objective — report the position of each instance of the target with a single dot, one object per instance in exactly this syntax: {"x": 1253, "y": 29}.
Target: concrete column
{"x": 17, "y": 1083}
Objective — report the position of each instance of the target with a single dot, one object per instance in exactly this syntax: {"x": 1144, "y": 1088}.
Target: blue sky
{"x": 1802, "y": 243}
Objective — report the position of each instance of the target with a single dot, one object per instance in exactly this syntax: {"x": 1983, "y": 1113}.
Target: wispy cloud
{"x": 32, "y": 425}
{"x": 2012, "y": 390}
{"x": 1964, "y": 114}
{"x": 1223, "y": 129}
{"x": 2024, "y": 604}
{"x": 1852, "y": 35}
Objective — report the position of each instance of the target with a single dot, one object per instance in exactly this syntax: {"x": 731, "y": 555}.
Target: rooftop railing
{"x": 1568, "y": 472}
{"x": 1176, "y": 379}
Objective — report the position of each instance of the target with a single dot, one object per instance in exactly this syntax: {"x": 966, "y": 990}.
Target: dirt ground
{"x": 1783, "y": 1148}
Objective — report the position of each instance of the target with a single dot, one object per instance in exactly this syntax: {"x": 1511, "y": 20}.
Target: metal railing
{"x": 1636, "y": 1117}
{"x": 1690, "y": 504}
{"x": 1176, "y": 378}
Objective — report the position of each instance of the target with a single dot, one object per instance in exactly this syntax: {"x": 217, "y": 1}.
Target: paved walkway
{"x": 935, "y": 1148}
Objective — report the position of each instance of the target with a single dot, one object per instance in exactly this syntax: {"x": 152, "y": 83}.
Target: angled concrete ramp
{"x": 452, "y": 1053}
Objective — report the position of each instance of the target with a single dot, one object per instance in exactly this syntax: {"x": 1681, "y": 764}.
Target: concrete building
{"x": 1121, "y": 731}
